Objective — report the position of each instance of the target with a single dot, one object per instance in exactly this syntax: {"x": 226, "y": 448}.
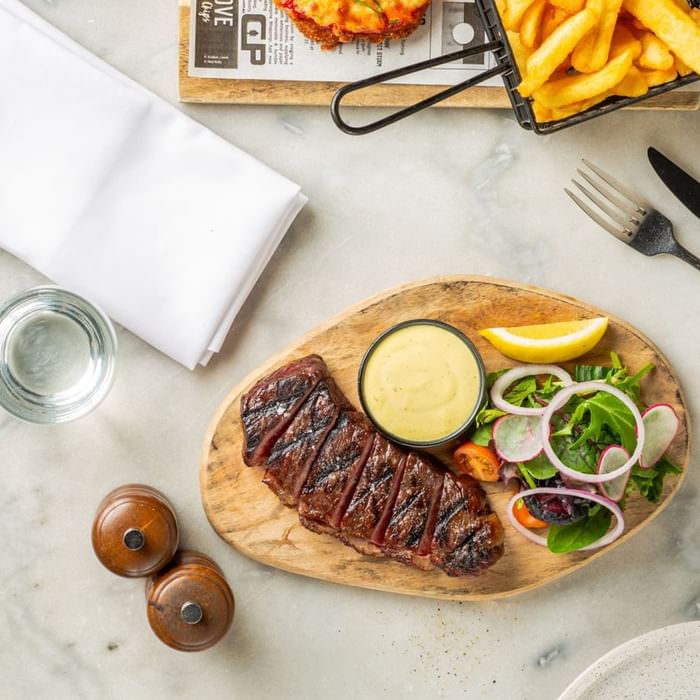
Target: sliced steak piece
{"x": 293, "y": 454}
{"x": 410, "y": 531}
{"x": 468, "y": 537}
{"x": 334, "y": 475}
{"x": 270, "y": 405}
{"x": 368, "y": 514}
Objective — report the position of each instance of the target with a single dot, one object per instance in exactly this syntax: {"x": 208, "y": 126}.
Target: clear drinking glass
{"x": 57, "y": 355}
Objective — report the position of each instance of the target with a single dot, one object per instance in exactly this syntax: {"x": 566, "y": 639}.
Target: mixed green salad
{"x": 577, "y": 446}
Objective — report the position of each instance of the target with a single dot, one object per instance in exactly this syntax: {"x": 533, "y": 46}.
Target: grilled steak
{"x": 323, "y": 457}
{"x": 292, "y": 455}
{"x": 334, "y": 475}
{"x": 368, "y": 514}
{"x": 410, "y": 531}
{"x": 269, "y": 406}
{"x": 468, "y": 537}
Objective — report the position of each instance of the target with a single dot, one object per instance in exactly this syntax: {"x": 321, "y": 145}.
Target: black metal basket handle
{"x": 407, "y": 70}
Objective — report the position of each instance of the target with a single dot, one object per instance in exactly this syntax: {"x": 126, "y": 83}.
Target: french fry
{"x": 579, "y": 88}
{"x": 571, "y": 6}
{"x": 655, "y": 54}
{"x": 695, "y": 15}
{"x": 514, "y": 13}
{"x": 596, "y": 6}
{"x": 554, "y": 50}
{"x": 682, "y": 69}
{"x": 583, "y": 53}
{"x": 553, "y": 17}
{"x": 501, "y": 6}
{"x": 623, "y": 40}
{"x": 632, "y": 85}
{"x": 682, "y": 5}
{"x": 594, "y": 50}
{"x": 531, "y": 24}
{"x": 606, "y": 28}
{"x": 670, "y": 24}
{"x": 542, "y": 113}
{"x": 520, "y": 52}
{"x": 578, "y": 107}
{"x": 659, "y": 77}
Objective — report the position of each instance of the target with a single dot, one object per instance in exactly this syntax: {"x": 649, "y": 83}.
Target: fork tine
{"x": 597, "y": 217}
{"x": 615, "y": 214}
{"x": 620, "y": 203}
{"x": 617, "y": 185}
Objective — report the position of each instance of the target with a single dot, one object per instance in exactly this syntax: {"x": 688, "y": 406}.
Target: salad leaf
{"x": 526, "y": 392}
{"x": 607, "y": 418}
{"x": 583, "y": 458}
{"x": 650, "y": 482}
{"x": 527, "y": 476}
{"x": 521, "y": 391}
{"x": 482, "y": 435}
{"x": 539, "y": 468}
{"x": 491, "y": 377}
{"x": 488, "y": 415}
{"x": 617, "y": 376}
{"x": 590, "y": 373}
{"x": 568, "y": 538}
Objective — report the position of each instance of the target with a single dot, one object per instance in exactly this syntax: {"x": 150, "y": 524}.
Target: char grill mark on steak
{"x": 409, "y": 533}
{"x": 335, "y": 472}
{"x": 292, "y": 455}
{"x": 369, "y": 511}
{"x": 468, "y": 537}
{"x": 271, "y": 404}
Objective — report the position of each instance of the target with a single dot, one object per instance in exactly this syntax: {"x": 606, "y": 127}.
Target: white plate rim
{"x": 583, "y": 683}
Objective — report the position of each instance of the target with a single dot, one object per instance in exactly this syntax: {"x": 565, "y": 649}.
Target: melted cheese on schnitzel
{"x": 359, "y": 16}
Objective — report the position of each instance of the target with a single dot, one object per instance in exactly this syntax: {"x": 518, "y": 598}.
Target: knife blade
{"x": 685, "y": 187}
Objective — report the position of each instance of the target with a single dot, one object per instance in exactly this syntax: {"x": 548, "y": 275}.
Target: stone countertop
{"x": 444, "y": 192}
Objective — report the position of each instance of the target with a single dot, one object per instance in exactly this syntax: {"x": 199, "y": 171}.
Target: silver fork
{"x": 629, "y": 218}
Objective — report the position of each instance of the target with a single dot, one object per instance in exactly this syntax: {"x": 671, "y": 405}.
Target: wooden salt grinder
{"x": 189, "y": 605}
{"x": 135, "y": 532}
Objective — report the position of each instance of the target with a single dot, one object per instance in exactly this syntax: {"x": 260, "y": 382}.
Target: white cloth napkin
{"x": 110, "y": 191}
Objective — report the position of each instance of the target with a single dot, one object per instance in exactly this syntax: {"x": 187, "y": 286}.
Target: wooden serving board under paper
{"x": 284, "y": 92}
{"x": 247, "y": 515}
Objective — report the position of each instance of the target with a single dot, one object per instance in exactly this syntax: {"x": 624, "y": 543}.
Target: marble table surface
{"x": 445, "y": 192}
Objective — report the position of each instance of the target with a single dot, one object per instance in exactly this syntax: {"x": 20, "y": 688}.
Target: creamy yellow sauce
{"x": 421, "y": 383}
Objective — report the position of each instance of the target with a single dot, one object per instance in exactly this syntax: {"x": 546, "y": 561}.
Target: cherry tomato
{"x": 524, "y": 517}
{"x": 477, "y": 461}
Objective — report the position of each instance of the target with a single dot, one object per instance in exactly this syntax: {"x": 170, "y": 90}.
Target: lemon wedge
{"x": 548, "y": 342}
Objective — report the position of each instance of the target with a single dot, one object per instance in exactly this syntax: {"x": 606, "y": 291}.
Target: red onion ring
{"x": 610, "y": 536}
{"x": 512, "y": 375}
{"x": 559, "y": 400}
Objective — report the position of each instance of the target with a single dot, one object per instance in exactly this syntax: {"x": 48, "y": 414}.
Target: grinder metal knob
{"x": 189, "y": 605}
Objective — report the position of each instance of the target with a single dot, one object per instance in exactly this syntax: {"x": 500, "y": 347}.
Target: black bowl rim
{"x": 482, "y": 378}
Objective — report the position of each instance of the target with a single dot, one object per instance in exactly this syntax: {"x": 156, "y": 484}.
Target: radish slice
{"x": 512, "y": 375}
{"x": 612, "y": 458}
{"x": 661, "y": 424}
{"x": 559, "y": 400}
{"x": 610, "y": 536}
{"x": 517, "y": 438}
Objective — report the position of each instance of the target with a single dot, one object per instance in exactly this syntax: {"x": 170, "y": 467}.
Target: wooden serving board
{"x": 309, "y": 93}
{"x": 246, "y": 514}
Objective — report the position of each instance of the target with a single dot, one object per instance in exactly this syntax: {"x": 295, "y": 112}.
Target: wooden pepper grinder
{"x": 135, "y": 532}
{"x": 189, "y": 604}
